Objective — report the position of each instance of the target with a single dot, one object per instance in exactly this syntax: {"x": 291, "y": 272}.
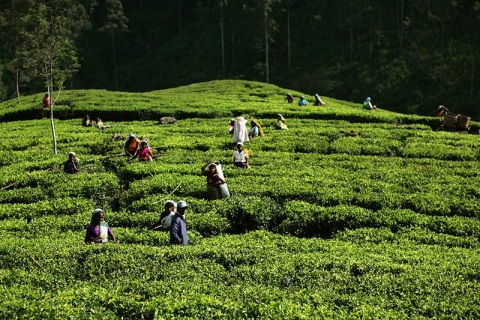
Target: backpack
{"x": 167, "y": 221}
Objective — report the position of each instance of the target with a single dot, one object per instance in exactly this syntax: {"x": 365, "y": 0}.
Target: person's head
{"x": 440, "y": 107}
{"x": 131, "y": 136}
{"x": 181, "y": 207}
{"x": 302, "y": 98}
{"x": 232, "y": 122}
{"x": 169, "y": 206}
{"x": 212, "y": 167}
{"x": 289, "y": 94}
{"x": 71, "y": 155}
{"x": 97, "y": 216}
{"x": 144, "y": 144}
{"x": 253, "y": 123}
{"x": 239, "y": 145}
{"x": 46, "y": 94}
{"x": 279, "y": 116}
{"x": 368, "y": 99}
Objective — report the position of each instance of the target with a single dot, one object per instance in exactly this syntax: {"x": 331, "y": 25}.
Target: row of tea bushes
{"x": 255, "y": 275}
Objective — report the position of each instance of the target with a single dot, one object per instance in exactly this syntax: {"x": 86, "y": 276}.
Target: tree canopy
{"x": 409, "y": 56}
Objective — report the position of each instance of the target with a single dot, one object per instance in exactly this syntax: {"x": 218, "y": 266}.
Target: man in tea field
{"x": 178, "y": 228}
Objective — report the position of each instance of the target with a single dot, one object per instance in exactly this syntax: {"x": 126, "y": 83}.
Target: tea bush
{"x": 348, "y": 214}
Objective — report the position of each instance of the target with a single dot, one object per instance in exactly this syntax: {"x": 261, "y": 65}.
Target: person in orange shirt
{"x": 131, "y": 145}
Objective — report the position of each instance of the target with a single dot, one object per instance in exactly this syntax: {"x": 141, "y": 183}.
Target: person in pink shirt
{"x": 144, "y": 153}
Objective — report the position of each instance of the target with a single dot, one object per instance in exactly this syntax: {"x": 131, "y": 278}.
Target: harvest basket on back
{"x": 463, "y": 121}
{"x": 450, "y": 119}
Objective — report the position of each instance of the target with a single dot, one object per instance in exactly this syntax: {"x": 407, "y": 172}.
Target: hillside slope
{"x": 347, "y": 214}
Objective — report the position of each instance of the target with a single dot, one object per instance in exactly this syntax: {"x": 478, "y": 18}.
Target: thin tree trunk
{"x": 351, "y": 33}
{"x": 17, "y": 85}
{"x": 52, "y": 103}
{"x": 289, "y": 56}
{"x": 472, "y": 77}
{"x": 223, "y": 38}
{"x": 401, "y": 26}
{"x": 267, "y": 68}
{"x": 115, "y": 71}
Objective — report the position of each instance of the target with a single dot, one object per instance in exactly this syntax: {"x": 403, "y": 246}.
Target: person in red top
{"x": 46, "y": 100}
{"x": 213, "y": 180}
{"x": 289, "y": 98}
{"x": 144, "y": 153}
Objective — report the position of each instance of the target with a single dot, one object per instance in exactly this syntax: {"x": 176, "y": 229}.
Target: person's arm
{"x": 111, "y": 235}
{"x": 156, "y": 225}
{"x": 135, "y": 155}
{"x": 75, "y": 166}
{"x": 246, "y": 159}
{"x": 220, "y": 179}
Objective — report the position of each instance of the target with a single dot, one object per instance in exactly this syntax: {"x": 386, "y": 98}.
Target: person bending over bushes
{"x": 72, "y": 164}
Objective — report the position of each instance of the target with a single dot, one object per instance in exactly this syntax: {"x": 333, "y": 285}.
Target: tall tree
{"x": 49, "y": 53}
{"x": 11, "y": 19}
{"x": 115, "y": 22}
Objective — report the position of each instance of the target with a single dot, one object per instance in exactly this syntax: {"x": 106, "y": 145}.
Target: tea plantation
{"x": 348, "y": 214}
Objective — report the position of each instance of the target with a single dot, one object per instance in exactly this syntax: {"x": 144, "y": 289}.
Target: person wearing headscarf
{"x": 442, "y": 111}
{"x": 256, "y": 129}
{"x": 131, "y": 145}
{"x": 240, "y": 157}
{"x": 72, "y": 164}
{"x": 240, "y": 132}
{"x": 281, "y": 123}
{"x": 144, "y": 153}
{"x": 165, "y": 219}
{"x": 231, "y": 125}
{"x": 318, "y": 101}
{"x": 302, "y": 102}
{"x": 98, "y": 230}
{"x": 367, "y": 104}
{"x": 214, "y": 180}
{"x": 288, "y": 98}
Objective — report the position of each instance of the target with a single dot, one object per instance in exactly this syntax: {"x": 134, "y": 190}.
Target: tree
{"x": 115, "y": 22}
{"x": 48, "y": 51}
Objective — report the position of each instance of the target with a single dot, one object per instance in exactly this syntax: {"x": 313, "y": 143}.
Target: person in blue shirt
{"x": 367, "y": 104}
{"x": 256, "y": 129}
{"x": 178, "y": 228}
{"x": 302, "y": 101}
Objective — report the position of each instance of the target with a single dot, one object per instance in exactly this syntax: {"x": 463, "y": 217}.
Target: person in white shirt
{"x": 240, "y": 157}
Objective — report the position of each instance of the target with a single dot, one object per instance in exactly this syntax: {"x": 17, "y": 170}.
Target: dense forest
{"x": 409, "y": 56}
